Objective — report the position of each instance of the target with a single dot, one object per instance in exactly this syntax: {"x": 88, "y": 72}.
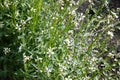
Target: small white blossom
{"x": 82, "y": 16}
{"x": 94, "y": 59}
{"x": 51, "y": 27}
{"x": 99, "y": 17}
{"x": 62, "y": 8}
{"x": 111, "y": 55}
{"x": 17, "y": 13}
{"x": 18, "y": 27}
{"x": 7, "y": 3}
{"x": 70, "y": 32}
{"x": 50, "y": 51}
{"x": 72, "y": 12}
{"x": 23, "y": 22}
{"x": 49, "y": 69}
{"x": 61, "y": 2}
{"x": 68, "y": 78}
{"x": 26, "y": 58}
{"x": 69, "y": 42}
{"x": 6, "y": 50}
{"x": 55, "y": 18}
{"x": 106, "y": 2}
{"x": 110, "y": 34}
{"x": 71, "y": 4}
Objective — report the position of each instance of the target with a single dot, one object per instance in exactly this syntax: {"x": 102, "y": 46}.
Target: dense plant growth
{"x": 59, "y": 40}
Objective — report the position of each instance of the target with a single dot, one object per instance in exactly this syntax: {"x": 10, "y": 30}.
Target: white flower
{"x": 50, "y": 51}
{"x": 106, "y": 2}
{"x": 26, "y": 58}
{"x": 6, "y": 50}
{"x": 110, "y": 34}
{"x": 23, "y": 22}
{"x": 7, "y": 3}
{"x": 51, "y": 27}
{"x": 68, "y": 78}
{"x": 18, "y": 27}
{"x": 70, "y": 32}
{"x": 73, "y": 12}
{"x": 99, "y": 17}
{"x": 49, "y": 69}
{"x": 69, "y": 42}
{"x": 82, "y": 16}
{"x": 62, "y": 8}
{"x": 17, "y": 13}
{"x": 94, "y": 59}
{"x": 55, "y": 18}
{"x": 71, "y": 4}
{"x": 111, "y": 55}
{"x": 61, "y": 2}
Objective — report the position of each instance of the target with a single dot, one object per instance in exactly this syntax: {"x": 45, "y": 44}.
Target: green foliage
{"x": 50, "y": 40}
